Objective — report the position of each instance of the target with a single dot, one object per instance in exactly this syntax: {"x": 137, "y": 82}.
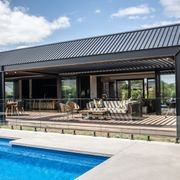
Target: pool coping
{"x": 19, "y": 139}
{"x": 133, "y": 155}
{"x": 14, "y": 143}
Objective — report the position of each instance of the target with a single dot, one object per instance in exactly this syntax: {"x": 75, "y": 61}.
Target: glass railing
{"x": 106, "y": 117}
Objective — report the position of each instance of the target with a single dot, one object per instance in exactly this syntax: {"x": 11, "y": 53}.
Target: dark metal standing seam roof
{"x": 159, "y": 37}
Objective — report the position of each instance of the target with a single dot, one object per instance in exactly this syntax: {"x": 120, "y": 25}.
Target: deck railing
{"x": 91, "y": 116}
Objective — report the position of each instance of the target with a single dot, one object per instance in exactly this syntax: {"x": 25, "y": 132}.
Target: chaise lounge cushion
{"x": 117, "y": 107}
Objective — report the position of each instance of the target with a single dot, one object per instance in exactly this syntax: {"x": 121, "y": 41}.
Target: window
{"x": 136, "y": 89}
{"x": 9, "y": 89}
{"x": 122, "y": 89}
{"x": 109, "y": 89}
{"x": 151, "y": 89}
{"x": 168, "y": 89}
{"x": 68, "y": 88}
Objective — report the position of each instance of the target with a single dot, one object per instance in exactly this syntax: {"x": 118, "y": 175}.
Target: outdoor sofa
{"x": 123, "y": 110}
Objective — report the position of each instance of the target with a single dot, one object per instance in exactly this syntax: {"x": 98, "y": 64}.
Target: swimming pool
{"x": 22, "y": 163}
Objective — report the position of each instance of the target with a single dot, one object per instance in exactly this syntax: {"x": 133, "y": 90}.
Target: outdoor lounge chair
{"x": 62, "y": 107}
{"x": 74, "y": 107}
{"x": 125, "y": 109}
{"x": 119, "y": 109}
{"x": 70, "y": 107}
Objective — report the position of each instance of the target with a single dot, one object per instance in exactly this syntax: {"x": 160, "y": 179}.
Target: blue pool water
{"x": 24, "y": 163}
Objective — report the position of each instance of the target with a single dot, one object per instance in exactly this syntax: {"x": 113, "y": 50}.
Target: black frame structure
{"x": 154, "y": 49}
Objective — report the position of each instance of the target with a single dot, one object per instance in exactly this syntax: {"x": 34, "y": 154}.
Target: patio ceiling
{"x": 97, "y": 68}
{"x": 124, "y": 66}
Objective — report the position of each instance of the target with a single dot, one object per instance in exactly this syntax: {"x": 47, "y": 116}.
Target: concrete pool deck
{"x": 130, "y": 160}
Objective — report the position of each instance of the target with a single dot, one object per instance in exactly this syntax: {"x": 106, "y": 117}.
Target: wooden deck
{"x": 149, "y": 125}
{"x": 148, "y": 120}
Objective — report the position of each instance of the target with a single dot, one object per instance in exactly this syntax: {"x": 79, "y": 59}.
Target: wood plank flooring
{"x": 148, "y": 120}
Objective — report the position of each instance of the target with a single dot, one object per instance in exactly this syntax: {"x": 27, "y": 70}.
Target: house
{"x": 137, "y": 64}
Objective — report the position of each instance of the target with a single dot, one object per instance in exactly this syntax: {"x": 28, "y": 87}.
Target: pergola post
{"x": 58, "y": 83}
{"x": 158, "y": 92}
{"x": 177, "y": 72}
{"x": 20, "y": 89}
{"x": 2, "y": 95}
{"x": 93, "y": 87}
{"x": 30, "y": 88}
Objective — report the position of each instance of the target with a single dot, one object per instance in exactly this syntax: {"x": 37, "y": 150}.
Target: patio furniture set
{"x": 99, "y": 109}
{"x": 14, "y": 108}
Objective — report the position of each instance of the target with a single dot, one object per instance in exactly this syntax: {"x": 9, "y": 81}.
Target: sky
{"x": 25, "y": 23}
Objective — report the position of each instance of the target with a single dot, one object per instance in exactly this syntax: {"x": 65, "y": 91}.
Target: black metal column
{"x": 177, "y": 73}
{"x": 58, "y": 83}
{"x": 59, "y": 94}
{"x": 158, "y": 92}
{"x": 2, "y": 96}
{"x": 99, "y": 87}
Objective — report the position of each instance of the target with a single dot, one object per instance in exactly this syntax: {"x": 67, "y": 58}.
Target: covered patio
{"x": 95, "y": 66}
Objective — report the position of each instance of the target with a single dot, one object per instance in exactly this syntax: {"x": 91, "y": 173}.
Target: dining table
{"x": 11, "y": 108}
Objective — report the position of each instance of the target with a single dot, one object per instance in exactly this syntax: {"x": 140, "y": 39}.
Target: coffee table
{"x": 93, "y": 114}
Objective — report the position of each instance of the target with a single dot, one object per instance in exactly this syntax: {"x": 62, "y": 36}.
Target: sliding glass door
{"x": 151, "y": 89}
{"x": 168, "y": 89}
{"x": 130, "y": 89}
{"x": 69, "y": 88}
{"x": 9, "y": 89}
{"x": 122, "y": 89}
{"x": 137, "y": 89}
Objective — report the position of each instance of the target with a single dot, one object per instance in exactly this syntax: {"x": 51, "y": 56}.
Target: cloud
{"x": 97, "y": 11}
{"x": 133, "y": 11}
{"x": 80, "y": 19}
{"x": 17, "y": 26}
{"x": 172, "y": 7}
{"x": 140, "y": 17}
{"x": 160, "y": 23}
